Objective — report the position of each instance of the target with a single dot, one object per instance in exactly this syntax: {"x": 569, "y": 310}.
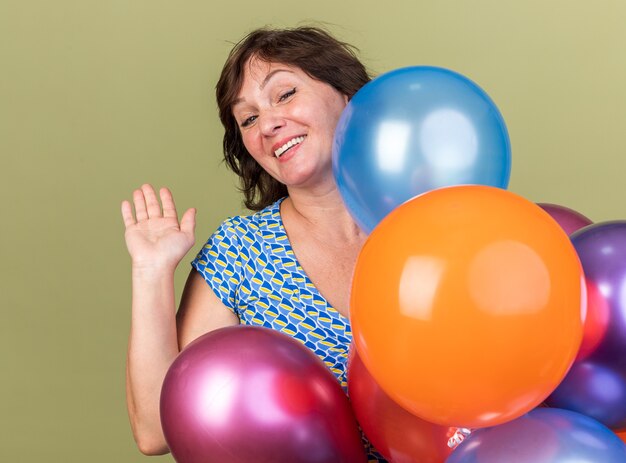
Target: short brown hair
{"x": 313, "y": 50}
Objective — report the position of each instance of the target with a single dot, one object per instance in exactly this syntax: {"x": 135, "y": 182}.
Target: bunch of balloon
{"x": 245, "y": 393}
{"x": 596, "y": 384}
{"x": 466, "y": 305}
{"x": 467, "y": 301}
{"x": 395, "y": 433}
{"x": 543, "y": 435}
{"x": 412, "y": 130}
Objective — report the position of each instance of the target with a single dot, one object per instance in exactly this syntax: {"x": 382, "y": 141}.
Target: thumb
{"x": 188, "y": 222}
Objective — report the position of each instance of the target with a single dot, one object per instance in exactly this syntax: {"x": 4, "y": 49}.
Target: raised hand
{"x": 154, "y": 236}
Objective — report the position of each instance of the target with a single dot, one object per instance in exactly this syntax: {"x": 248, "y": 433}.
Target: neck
{"x": 324, "y": 211}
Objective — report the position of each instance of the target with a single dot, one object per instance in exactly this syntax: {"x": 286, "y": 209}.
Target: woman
{"x": 288, "y": 266}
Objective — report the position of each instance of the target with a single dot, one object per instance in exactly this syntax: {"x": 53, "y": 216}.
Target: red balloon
{"x": 244, "y": 393}
{"x": 596, "y": 321}
{"x": 397, "y": 434}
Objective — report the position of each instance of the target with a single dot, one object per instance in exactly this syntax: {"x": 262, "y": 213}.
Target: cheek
{"x": 334, "y": 111}
{"x": 250, "y": 141}
{"x": 328, "y": 115}
{"x": 333, "y": 118}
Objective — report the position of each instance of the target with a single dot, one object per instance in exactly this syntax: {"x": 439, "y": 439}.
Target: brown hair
{"x": 313, "y": 50}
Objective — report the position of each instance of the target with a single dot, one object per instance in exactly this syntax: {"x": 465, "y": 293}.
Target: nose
{"x": 271, "y": 121}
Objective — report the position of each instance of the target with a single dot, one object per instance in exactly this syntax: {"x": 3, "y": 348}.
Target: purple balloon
{"x": 567, "y": 218}
{"x": 545, "y": 435}
{"x": 593, "y": 390}
{"x": 598, "y": 389}
{"x": 244, "y": 393}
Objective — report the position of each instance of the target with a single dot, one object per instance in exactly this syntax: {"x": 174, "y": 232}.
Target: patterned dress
{"x": 251, "y": 267}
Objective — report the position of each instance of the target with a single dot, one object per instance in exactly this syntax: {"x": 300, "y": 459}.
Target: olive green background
{"x": 97, "y": 97}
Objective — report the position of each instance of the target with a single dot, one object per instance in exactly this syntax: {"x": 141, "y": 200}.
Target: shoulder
{"x": 238, "y": 241}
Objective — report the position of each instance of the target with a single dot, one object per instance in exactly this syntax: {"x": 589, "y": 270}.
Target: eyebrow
{"x": 263, "y": 84}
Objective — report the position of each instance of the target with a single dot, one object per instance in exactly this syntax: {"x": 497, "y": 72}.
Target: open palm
{"x": 154, "y": 236}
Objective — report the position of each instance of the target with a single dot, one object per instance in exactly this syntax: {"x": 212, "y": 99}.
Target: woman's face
{"x": 287, "y": 121}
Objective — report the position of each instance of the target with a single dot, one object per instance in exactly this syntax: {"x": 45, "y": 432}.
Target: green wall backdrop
{"x": 99, "y": 97}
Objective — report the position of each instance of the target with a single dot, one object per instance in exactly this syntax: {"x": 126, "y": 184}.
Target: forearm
{"x": 152, "y": 348}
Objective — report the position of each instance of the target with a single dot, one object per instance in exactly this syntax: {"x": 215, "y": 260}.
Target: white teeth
{"x": 294, "y": 141}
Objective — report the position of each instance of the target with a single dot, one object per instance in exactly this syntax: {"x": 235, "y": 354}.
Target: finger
{"x": 188, "y": 222}
{"x": 152, "y": 203}
{"x": 127, "y": 214}
{"x": 169, "y": 208}
{"x": 140, "y": 205}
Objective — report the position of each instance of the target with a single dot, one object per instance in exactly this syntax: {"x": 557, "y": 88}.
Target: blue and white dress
{"x": 251, "y": 267}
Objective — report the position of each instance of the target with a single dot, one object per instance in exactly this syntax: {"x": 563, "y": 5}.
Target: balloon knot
{"x": 459, "y": 436}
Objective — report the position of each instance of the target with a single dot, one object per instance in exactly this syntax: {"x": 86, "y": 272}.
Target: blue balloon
{"x": 412, "y": 130}
{"x": 545, "y": 435}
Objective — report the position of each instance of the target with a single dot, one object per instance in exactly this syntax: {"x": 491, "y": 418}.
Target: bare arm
{"x": 152, "y": 347}
{"x": 200, "y": 311}
{"x": 157, "y": 242}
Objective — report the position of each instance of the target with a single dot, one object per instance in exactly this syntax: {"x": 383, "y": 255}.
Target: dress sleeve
{"x": 219, "y": 263}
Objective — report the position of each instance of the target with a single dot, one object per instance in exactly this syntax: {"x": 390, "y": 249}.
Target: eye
{"x": 248, "y": 121}
{"x": 287, "y": 95}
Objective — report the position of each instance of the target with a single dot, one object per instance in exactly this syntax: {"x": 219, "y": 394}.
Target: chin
{"x": 300, "y": 174}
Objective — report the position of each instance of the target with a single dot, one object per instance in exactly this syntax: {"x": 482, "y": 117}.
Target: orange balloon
{"x": 621, "y": 435}
{"x": 466, "y": 305}
{"x": 398, "y": 435}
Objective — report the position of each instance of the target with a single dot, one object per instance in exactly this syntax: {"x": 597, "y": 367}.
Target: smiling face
{"x": 287, "y": 120}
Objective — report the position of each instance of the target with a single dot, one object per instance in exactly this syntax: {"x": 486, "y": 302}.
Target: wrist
{"x": 152, "y": 270}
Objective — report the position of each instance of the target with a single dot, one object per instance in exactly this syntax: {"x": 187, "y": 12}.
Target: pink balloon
{"x": 244, "y": 393}
{"x": 567, "y": 218}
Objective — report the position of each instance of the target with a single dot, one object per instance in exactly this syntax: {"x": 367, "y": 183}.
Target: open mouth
{"x": 287, "y": 146}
